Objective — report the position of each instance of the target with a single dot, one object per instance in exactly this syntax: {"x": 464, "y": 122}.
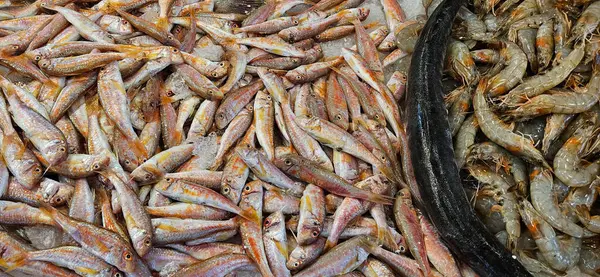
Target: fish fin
{"x": 13, "y": 262}
{"x": 328, "y": 245}
{"x": 251, "y": 215}
{"x": 380, "y": 199}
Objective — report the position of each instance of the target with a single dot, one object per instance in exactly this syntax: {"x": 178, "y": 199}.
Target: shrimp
{"x": 461, "y": 64}
{"x": 488, "y": 151}
{"x": 476, "y": 28}
{"x": 464, "y": 139}
{"x": 555, "y": 124}
{"x": 529, "y": 22}
{"x": 591, "y": 223}
{"x": 486, "y": 56}
{"x": 508, "y": 207}
{"x": 516, "y": 64}
{"x": 526, "y": 40}
{"x": 458, "y": 112}
{"x": 525, "y": 9}
{"x": 592, "y": 49}
{"x": 559, "y": 102}
{"x": 568, "y": 167}
{"x": 587, "y": 22}
{"x": 538, "y": 84}
{"x": 544, "y": 44}
{"x": 500, "y": 133}
{"x": 545, "y": 203}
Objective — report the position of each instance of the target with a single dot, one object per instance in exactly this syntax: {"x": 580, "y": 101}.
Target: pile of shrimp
{"x": 526, "y": 125}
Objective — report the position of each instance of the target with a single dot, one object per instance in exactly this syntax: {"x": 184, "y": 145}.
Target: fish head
{"x": 220, "y": 69}
{"x": 55, "y": 151}
{"x": 285, "y": 162}
{"x": 253, "y": 192}
{"x": 309, "y": 229}
{"x": 274, "y": 224}
{"x": 288, "y": 35}
{"x": 99, "y": 162}
{"x": 228, "y": 191}
{"x": 125, "y": 259}
{"x": 297, "y": 258}
{"x": 141, "y": 240}
{"x": 308, "y": 122}
{"x": 247, "y": 153}
{"x": 144, "y": 173}
{"x": 295, "y": 76}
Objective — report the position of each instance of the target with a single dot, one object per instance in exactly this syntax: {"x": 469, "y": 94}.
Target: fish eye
{"x": 316, "y": 223}
{"x": 267, "y": 222}
{"x": 58, "y": 200}
{"x": 124, "y": 22}
{"x": 402, "y": 249}
{"x": 247, "y": 188}
{"x": 127, "y": 256}
{"x": 295, "y": 21}
{"x": 296, "y": 264}
{"x": 127, "y": 162}
{"x": 315, "y": 234}
{"x": 148, "y": 176}
{"x": 170, "y": 37}
{"x": 287, "y": 162}
{"x": 96, "y": 166}
{"x": 214, "y": 74}
{"x": 169, "y": 180}
{"x": 37, "y": 169}
{"x": 377, "y": 116}
{"x": 268, "y": 97}
{"x": 62, "y": 149}
{"x": 170, "y": 93}
{"x": 147, "y": 242}
{"x": 221, "y": 64}
{"x": 338, "y": 117}
{"x": 298, "y": 77}
{"x": 37, "y": 57}
{"x": 110, "y": 36}
{"x": 226, "y": 190}
{"x": 118, "y": 274}
{"x": 174, "y": 50}
{"x": 144, "y": 160}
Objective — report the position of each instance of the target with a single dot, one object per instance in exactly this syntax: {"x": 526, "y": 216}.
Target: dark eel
{"x": 430, "y": 141}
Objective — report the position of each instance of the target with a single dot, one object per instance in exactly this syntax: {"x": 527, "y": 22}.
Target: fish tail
{"x": 140, "y": 148}
{"x": 387, "y": 238}
{"x": 328, "y": 245}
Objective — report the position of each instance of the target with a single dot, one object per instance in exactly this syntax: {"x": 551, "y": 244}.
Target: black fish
{"x": 430, "y": 141}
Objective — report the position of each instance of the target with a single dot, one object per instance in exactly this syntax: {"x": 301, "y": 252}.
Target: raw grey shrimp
{"x": 526, "y": 40}
{"x": 464, "y": 139}
{"x": 555, "y": 124}
{"x": 568, "y": 167}
{"x": 587, "y": 22}
{"x": 461, "y": 64}
{"x": 502, "y": 159}
{"x": 556, "y": 102}
{"x": 516, "y": 65}
{"x": 500, "y": 133}
{"x": 529, "y": 22}
{"x": 559, "y": 255}
{"x": 545, "y": 203}
{"x": 544, "y": 44}
{"x": 540, "y": 83}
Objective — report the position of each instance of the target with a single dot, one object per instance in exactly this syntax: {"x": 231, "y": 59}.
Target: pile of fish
{"x": 525, "y": 121}
{"x": 108, "y": 110}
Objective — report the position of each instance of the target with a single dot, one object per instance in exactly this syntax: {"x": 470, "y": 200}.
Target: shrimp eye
{"x": 287, "y": 162}
{"x": 226, "y": 190}
{"x": 247, "y": 188}
{"x": 315, "y": 234}
{"x": 127, "y": 256}
{"x": 147, "y": 242}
